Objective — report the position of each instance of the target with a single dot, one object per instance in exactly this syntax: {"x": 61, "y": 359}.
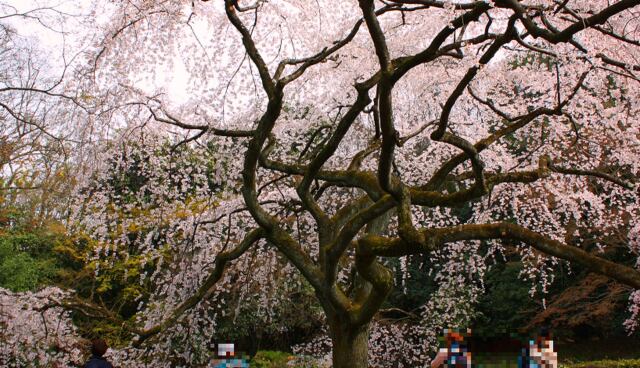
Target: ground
{"x": 618, "y": 352}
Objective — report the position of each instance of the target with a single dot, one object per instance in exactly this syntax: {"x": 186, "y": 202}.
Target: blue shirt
{"x": 97, "y": 362}
{"x": 457, "y": 355}
{"x": 232, "y": 363}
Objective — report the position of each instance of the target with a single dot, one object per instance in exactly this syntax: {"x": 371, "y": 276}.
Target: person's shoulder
{"x": 103, "y": 364}
{"x": 98, "y": 363}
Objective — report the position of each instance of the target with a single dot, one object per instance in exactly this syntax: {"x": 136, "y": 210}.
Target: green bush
{"x": 22, "y": 266}
{"x": 507, "y": 305}
{"x": 270, "y": 359}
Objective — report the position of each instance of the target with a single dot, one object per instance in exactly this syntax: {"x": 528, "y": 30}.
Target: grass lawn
{"x": 621, "y": 352}
{"x": 607, "y": 363}
{"x": 605, "y": 349}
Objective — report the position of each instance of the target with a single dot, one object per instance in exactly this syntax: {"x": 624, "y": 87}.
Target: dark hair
{"x": 545, "y": 332}
{"x": 98, "y": 347}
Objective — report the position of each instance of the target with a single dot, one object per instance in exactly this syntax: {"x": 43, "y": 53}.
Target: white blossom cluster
{"x": 36, "y": 331}
{"x": 173, "y": 209}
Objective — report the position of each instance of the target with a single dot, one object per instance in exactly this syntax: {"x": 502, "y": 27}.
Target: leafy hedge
{"x": 26, "y": 261}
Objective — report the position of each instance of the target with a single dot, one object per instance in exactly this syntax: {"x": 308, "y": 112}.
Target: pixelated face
{"x": 454, "y": 336}
{"x": 225, "y": 350}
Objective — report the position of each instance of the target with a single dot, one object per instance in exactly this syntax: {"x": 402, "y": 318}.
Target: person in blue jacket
{"x": 98, "y": 348}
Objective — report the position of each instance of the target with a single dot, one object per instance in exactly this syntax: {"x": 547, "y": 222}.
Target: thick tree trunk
{"x": 350, "y": 345}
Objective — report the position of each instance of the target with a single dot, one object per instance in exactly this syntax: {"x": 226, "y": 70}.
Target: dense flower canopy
{"x": 326, "y": 139}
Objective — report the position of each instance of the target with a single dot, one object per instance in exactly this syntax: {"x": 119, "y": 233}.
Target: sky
{"x": 54, "y": 27}
{"x": 51, "y": 25}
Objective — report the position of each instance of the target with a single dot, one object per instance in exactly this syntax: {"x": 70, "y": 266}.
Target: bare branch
{"x": 437, "y": 237}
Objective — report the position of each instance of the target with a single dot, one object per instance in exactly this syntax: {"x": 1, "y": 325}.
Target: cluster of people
{"x": 536, "y": 353}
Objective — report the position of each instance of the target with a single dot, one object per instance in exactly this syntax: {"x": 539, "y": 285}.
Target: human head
{"x": 452, "y": 335}
{"x": 545, "y": 333}
{"x": 98, "y": 347}
{"x": 226, "y": 350}
{"x": 544, "y": 337}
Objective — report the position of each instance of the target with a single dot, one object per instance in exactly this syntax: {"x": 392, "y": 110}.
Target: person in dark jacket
{"x": 98, "y": 348}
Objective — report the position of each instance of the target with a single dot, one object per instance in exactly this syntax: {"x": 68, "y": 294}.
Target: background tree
{"x": 40, "y": 138}
{"x": 39, "y": 109}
